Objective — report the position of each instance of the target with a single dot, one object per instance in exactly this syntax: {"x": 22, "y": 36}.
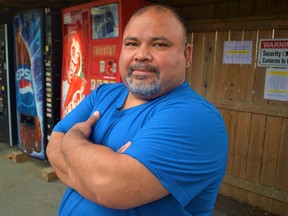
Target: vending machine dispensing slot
{"x": 27, "y": 121}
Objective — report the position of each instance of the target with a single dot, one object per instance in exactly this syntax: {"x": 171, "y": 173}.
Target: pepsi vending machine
{"x": 38, "y": 57}
{"x": 7, "y": 87}
{"x": 92, "y": 39}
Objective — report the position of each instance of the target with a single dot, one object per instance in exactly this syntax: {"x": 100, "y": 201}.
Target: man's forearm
{"x": 86, "y": 165}
{"x": 56, "y": 158}
{"x": 109, "y": 178}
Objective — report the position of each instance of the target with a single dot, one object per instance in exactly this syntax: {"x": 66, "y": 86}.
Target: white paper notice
{"x": 276, "y": 84}
{"x": 237, "y": 52}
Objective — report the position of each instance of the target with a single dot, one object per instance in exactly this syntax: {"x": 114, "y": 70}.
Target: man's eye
{"x": 130, "y": 44}
{"x": 160, "y": 45}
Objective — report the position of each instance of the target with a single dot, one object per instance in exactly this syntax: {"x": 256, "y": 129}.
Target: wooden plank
{"x": 49, "y": 174}
{"x": 279, "y": 208}
{"x": 230, "y": 118}
{"x": 270, "y": 150}
{"x": 233, "y": 72}
{"x": 197, "y": 62}
{"x": 262, "y": 190}
{"x": 208, "y": 67}
{"x": 239, "y": 194}
{"x": 247, "y": 71}
{"x": 244, "y": 23}
{"x": 220, "y": 72}
{"x": 231, "y": 10}
{"x": 17, "y": 156}
{"x": 242, "y": 106}
{"x": 190, "y": 3}
{"x": 241, "y": 142}
{"x": 189, "y": 13}
{"x": 225, "y": 189}
{"x": 260, "y": 75}
{"x": 255, "y": 147}
{"x": 260, "y": 201}
{"x": 282, "y": 163}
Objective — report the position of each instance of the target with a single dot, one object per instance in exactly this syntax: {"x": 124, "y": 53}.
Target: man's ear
{"x": 188, "y": 54}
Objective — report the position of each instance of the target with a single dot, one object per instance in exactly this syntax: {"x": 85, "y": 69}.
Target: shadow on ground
{"x": 226, "y": 206}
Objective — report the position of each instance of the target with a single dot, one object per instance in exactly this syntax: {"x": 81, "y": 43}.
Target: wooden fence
{"x": 257, "y": 168}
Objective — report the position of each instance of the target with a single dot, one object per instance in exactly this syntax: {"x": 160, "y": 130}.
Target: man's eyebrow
{"x": 130, "y": 38}
{"x": 160, "y": 38}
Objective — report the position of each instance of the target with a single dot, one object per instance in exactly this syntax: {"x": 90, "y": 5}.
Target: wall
{"x": 257, "y": 168}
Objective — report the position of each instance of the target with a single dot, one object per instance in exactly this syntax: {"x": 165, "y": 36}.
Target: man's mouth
{"x": 141, "y": 72}
{"x": 142, "y": 69}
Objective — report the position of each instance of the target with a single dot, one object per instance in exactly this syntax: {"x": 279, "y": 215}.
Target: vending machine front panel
{"x": 7, "y": 93}
{"x": 28, "y": 33}
{"x": 38, "y": 56}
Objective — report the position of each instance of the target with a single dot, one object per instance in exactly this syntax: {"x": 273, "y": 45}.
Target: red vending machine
{"x": 37, "y": 39}
{"x": 92, "y": 39}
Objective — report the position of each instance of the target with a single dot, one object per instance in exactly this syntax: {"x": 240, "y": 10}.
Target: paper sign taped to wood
{"x": 276, "y": 84}
{"x": 237, "y": 52}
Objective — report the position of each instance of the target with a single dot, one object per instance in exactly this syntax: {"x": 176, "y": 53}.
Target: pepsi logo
{"x": 24, "y": 78}
{"x": 26, "y": 92}
{"x": 23, "y": 72}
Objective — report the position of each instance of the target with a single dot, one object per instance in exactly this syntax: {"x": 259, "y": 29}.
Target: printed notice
{"x": 276, "y": 84}
{"x": 237, "y": 52}
{"x": 67, "y": 19}
{"x": 273, "y": 53}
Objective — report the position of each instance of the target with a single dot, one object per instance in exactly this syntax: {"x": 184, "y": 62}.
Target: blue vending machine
{"x": 37, "y": 75}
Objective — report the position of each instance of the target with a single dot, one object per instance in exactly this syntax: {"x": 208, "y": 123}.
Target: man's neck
{"x": 132, "y": 101}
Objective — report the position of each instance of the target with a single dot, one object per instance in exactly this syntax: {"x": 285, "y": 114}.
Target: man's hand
{"x": 74, "y": 137}
{"x": 82, "y": 129}
{"x": 55, "y": 154}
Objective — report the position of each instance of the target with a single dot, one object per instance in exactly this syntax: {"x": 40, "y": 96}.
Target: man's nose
{"x": 143, "y": 54}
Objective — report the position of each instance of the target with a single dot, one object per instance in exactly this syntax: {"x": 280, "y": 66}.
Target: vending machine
{"x": 92, "y": 38}
{"x": 7, "y": 87}
{"x": 38, "y": 48}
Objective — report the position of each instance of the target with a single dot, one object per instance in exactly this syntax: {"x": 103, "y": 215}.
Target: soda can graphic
{"x": 74, "y": 84}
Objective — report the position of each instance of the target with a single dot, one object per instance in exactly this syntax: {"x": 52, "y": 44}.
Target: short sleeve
{"x": 185, "y": 147}
{"x": 79, "y": 114}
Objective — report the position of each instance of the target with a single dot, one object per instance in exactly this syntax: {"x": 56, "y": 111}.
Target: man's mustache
{"x": 142, "y": 67}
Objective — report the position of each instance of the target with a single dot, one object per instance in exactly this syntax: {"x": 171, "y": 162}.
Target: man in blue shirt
{"x": 150, "y": 145}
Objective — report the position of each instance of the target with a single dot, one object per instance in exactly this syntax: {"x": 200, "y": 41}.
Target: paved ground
{"x": 23, "y": 192}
